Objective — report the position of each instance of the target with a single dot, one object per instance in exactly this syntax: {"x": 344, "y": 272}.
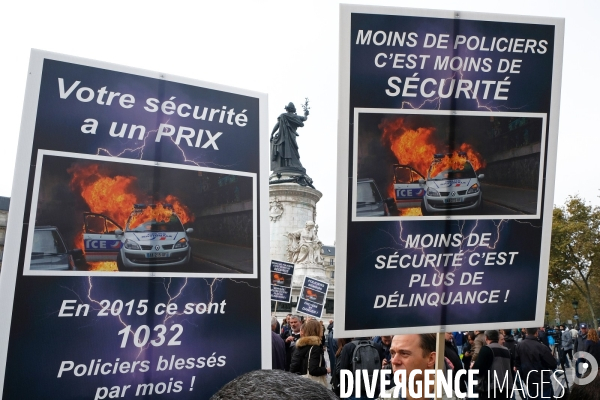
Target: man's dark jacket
{"x": 289, "y": 347}
{"x": 277, "y": 351}
{"x": 531, "y": 355}
{"x": 580, "y": 342}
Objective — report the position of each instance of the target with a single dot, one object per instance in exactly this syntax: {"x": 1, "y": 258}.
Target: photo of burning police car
{"x": 448, "y": 164}
{"x": 153, "y": 236}
{"x": 137, "y": 218}
{"x": 451, "y": 184}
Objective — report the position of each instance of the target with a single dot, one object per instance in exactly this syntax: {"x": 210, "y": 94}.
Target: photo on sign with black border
{"x": 414, "y": 164}
{"x": 312, "y": 295}
{"x": 279, "y": 279}
{"x": 100, "y": 215}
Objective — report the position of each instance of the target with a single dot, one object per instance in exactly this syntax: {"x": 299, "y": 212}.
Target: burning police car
{"x": 408, "y": 188}
{"x": 451, "y": 184}
{"x": 153, "y": 237}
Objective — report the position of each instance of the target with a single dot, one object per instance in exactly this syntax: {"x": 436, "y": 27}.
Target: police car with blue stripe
{"x": 451, "y": 189}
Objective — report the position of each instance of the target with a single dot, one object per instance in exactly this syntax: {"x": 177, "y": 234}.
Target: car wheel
{"x": 423, "y": 209}
{"x": 120, "y": 265}
{"x": 190, "y": 264}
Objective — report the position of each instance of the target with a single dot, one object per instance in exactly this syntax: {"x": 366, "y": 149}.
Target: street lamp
{"x": 575, "y": 305}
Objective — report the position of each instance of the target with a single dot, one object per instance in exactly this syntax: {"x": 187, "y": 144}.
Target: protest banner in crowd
{"x": 282, "y": 274}
{"x": 446, "y": 161}
{"x": 313, "y": 294}
{"x": 126, "y": 272}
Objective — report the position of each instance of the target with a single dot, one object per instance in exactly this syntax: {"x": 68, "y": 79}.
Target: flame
{"x": 158, "y": 213}
{"x": 102, "y": 266}
{"x": 114, "y": 197}
{"x": 454, "y": 161}
{"x": 415, "y": 147}
{"x": 411, "y": 147}
{"x": 410, "y": 212}
{"x": 473, "y": 156}
{"x": 184, "y": 213}
{"x": 391, "y": 191}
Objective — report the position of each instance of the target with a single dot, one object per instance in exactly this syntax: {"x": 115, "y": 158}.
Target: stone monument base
{"x": 291, "y": 205}
{"x": 292, "y": 176}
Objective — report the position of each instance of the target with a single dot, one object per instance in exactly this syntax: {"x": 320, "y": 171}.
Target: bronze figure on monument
{"x": 285, "y": 157}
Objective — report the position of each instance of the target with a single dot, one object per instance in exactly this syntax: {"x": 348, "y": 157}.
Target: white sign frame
{"x": 344, "y": 178}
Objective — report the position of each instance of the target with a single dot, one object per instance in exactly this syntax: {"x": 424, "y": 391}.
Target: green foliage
{"x": 575, "y": 253}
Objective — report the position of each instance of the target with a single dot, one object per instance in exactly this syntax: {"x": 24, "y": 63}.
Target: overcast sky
{"x": 288, "y": 50}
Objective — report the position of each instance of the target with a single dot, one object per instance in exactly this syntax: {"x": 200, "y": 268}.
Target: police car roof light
{"x": 438, "y": 155}
{"x": 139, "y": 206}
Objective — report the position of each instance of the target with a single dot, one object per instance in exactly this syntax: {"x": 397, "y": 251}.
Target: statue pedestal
{"x": 290, "y": 207}
{"x": 311, "y": 270}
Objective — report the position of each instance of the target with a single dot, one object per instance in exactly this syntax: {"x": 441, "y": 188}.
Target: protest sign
{"x": 313, "y": 294}
{"x": 281, "y": 281}
{"x": 132, "y": 253}
{"x": 446, "y": 162}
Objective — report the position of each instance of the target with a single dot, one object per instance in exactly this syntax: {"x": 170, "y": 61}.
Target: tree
{"x": 575, "y": 250}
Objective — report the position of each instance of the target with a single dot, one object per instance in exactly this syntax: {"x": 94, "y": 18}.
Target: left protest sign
{"x": 129, "y": 279}
{"x": 281, "y": 281}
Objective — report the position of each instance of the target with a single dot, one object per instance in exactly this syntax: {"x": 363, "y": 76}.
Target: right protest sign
{"x": 312, "y": 297}
{"x": 446, "y": 163}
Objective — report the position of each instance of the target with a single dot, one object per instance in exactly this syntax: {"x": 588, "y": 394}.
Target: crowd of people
{"x": 304, "y": 346}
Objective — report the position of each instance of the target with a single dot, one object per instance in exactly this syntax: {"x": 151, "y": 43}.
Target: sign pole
{"x": 440, "y": 347}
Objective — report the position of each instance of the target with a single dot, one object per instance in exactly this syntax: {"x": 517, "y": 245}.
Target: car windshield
{"x": 465, "y": 173}
{"x": 47, "y": 242}
{"x": 152, "y": 225}
{"x": 154, "y": 218}
{"x": 404, "y": 174}
{"x": 367, "y": 193}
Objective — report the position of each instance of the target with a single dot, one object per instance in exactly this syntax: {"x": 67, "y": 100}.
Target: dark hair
{"x": 531, "y": 331}
{"x": 591, "y": 391}
{"x": 341, "y": 343}
{"x": 492, "y": 335}
{"x": 428, "y": 342}
{"x": 471, "y": 335}
{"x": 273, "y": 385}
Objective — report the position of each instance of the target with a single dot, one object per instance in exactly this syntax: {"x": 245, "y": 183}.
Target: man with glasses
{"x": 290, "y": 337}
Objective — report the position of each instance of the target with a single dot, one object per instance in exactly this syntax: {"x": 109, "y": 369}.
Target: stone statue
{"x": 284, "y": 148}
{"x": 304, "y": 246}
{"x": 275, "y": 209}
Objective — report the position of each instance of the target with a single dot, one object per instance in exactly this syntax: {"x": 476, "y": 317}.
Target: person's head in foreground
{"x": 410, "y": 352}
{"x": 492, "y": 336}
{"x": 273, "y": 385}
{"x": 591, "y": 391}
